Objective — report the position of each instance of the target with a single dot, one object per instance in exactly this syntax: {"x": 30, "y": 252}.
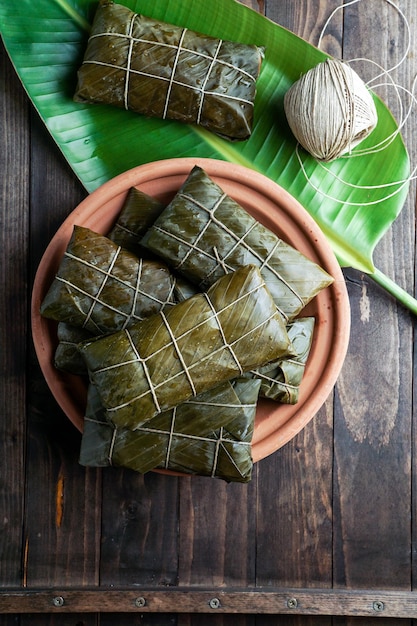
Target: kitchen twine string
{"x": 404, "y": 113}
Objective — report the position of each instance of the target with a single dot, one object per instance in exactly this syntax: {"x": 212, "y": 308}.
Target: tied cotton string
{"x": 330, "y": 111}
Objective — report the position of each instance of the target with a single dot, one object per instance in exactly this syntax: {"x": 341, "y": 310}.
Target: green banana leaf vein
{"x": 46, "y": 40}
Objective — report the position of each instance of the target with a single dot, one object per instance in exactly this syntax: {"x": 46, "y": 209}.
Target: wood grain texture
{"x": 307, "y": 20}
{"x": 14, "y": 234}
{"x": 296, "y": 602}
{"x": 217, "y": 533}
{"x": 294, "y": 502}
{"x": 373, "y": 420}
{"x": 294, "y": 521}
{"x": 139, "y": 530}
{"x": 62, "y": 515}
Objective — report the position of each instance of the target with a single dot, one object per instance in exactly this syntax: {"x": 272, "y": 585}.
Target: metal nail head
{"x": 140, "y": 602}
{"x": 214, "y": 603}
{"x": 292, "y": 603}
{"x": 58, "y": 601}
{"x": 378, "y": 606}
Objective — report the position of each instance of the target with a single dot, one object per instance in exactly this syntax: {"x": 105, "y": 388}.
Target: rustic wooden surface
{"x": 332, "y": 514}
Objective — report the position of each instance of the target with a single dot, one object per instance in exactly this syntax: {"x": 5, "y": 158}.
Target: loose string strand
{"x": 399, "y": 11}
{"x": 403, "y": 116}
{"x": 402, "y": 184}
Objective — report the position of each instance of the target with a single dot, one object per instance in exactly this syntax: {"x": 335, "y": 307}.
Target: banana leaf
{"x": 203, "y": 233}
{"x": 139, "y": 211}
{"x": 67, "y": 357}
{"x": 165, "y": 71}
{"x": 171, "y": 357}
{"x": 179, "y": 438}
{"x": 280, "y": 381}
{"x": 101, "y": 287}
{"x": 46, "y": 41}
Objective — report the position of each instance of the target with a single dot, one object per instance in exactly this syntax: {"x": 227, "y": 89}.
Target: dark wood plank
{"x": 306, "y": 18}
{"x": 217, "y": 532}
{"x": 373, "y": 421}
{"x": 368, "y": 509}
{"x": 217, "y": 543}
{"x": 216, "y": 540}
{"x": 373, "y": 476}
{"x": 142, "y": 619}
{"x": 372, "y": 453}
{"x": 214, "y": 601}
{"x": 294, "y": 532}
{"x": 294, "y": 509}
{"x": 14, "y": 233}
{"x": 139, "y": 529}
{"x": 70, "y": 619}
{"x": 294, "y": 537}
{"x": 192, "y": 619}
{"x": 62, "y": 525}
{"x": 9, "y": 620}
{"x": 293, "y": 620}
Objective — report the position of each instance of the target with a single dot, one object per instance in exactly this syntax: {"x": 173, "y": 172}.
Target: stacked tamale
{"x": 181, "y": 318}
{"x": 169, "y": 72}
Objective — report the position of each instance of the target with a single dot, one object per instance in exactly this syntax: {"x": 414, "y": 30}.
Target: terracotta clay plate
{"x": 276, "y": 423}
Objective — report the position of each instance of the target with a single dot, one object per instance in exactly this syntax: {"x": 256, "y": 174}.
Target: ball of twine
{"x": 330, "y": 110}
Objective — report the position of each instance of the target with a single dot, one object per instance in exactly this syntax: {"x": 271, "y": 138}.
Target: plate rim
{"x": 268, "y": 442}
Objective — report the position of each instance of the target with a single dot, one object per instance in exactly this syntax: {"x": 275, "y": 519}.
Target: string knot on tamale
{"x": 171, "y": 357}
{"x": 166, "y": 71}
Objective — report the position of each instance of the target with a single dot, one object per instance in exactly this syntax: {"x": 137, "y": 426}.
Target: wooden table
{"x": 327, "y": 526}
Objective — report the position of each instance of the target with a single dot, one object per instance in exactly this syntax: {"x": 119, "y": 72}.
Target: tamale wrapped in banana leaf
{"x": 166, "y": 71}
{"x": 67, "y": 356}
{"x": 281, "y": 380}
{"x": 195, "y": 345}
{"x": 138, "y": 213}
{"x": 226, "y": 456}
{"x": 214, "y": 431}
{"x": 203, "y": 234}
{"x": 102, "y": 288}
